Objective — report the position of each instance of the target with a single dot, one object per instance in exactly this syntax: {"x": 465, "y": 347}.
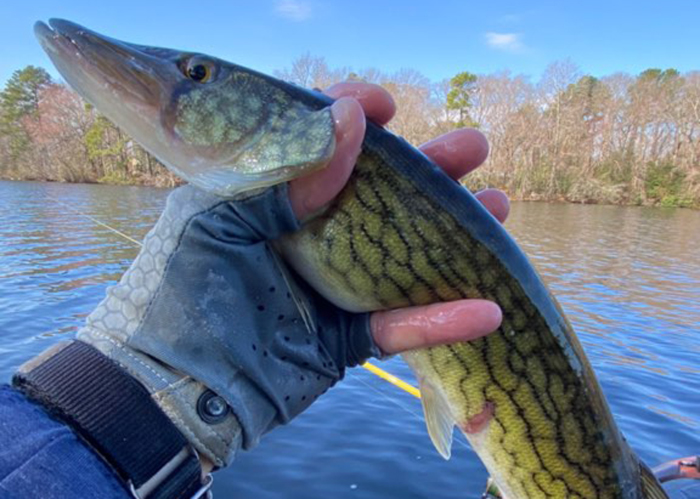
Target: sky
{"x": 437, "y": 38}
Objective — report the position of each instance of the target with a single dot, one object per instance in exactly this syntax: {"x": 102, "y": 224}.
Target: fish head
{"x": 213, "y": 123}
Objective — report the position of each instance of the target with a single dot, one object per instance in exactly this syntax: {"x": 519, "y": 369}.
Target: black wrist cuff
{"x": 115, "y": 415}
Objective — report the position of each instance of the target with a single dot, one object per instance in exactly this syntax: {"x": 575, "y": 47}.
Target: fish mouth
{"x": 128, "y": 83}
{"x": 82, "y": 55}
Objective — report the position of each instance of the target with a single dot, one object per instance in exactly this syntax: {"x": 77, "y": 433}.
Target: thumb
{"x": 309, "y": 193}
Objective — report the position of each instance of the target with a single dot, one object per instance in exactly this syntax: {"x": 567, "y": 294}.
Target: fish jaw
{"x": 123, "y": 82}
{"x": 234, "y": 133}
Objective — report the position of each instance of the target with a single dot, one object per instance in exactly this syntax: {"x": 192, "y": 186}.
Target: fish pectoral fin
{"x": 438, "y": 418}
{"x": 299, "y": 297}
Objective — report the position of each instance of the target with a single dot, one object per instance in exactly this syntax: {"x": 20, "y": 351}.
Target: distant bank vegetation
{"x": 619, "y": 139}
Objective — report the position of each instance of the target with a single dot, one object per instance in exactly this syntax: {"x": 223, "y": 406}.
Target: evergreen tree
{"x": 462, "y": 87}
{"x": 20, "y": 98}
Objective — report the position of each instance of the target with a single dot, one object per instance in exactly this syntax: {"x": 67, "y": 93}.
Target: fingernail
{"x": 349, "y": 128}
{"x": 483, "y": 317}
{"x": 493, "y": 316}
{"x": 342, "y": 111}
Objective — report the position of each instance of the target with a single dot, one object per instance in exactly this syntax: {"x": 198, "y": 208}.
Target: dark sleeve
{"x": 42, "y": 457}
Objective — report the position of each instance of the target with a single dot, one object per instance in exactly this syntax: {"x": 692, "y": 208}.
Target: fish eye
{"x": 200, "y": 70}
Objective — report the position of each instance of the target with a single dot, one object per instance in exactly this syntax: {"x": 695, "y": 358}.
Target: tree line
{"x": 618, "y": 139}
{"x": 49, "y": 133}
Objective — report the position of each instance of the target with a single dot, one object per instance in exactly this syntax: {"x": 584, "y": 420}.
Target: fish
{"x": 401, "y": 233}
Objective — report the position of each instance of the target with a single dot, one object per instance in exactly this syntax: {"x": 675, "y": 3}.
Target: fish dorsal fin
{"x": 438, "y": 418}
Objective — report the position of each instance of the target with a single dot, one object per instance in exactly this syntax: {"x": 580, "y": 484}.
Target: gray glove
{"x": 208, "y": 307}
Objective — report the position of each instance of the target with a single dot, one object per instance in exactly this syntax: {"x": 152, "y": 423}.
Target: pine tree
{"x": 19, "y": 99}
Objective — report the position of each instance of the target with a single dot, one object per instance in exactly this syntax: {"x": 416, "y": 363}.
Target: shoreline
{"x": 165, "y": 183}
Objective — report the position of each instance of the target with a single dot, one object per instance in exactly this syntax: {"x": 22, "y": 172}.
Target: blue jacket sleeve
{"x": 42, "y": 457}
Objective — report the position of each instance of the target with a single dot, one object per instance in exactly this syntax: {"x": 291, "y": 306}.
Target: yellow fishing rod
{"x": 392, "y": 379}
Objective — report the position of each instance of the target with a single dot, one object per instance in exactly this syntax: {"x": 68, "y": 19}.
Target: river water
{"x": 628, "y": 278}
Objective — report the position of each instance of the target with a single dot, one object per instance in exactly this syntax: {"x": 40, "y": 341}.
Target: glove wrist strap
{"x": 115, "y": 415}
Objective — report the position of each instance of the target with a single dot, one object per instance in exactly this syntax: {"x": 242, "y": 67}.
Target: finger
{"x": 458, "y": 152}
{"x": 399, "y": 330}
{"x": 378, "y": 104}
{"x": 309, "y": 193}
{"x": 496, "y": 202}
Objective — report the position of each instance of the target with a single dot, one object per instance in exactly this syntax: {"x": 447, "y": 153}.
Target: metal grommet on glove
{"x": 212, "y": 408}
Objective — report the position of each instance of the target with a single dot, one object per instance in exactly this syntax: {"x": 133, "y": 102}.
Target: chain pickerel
{"x": 401, "y": 233}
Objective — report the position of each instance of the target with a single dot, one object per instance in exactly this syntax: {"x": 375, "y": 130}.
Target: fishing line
{"x": 77, "y": 212}
{"x": 393, "y": 401}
